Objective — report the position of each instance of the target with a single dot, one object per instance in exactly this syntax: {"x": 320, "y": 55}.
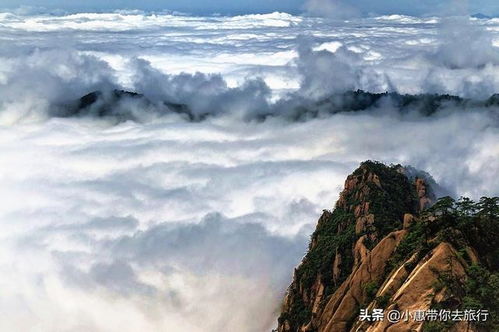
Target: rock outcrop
{"x": 385, "y": 247}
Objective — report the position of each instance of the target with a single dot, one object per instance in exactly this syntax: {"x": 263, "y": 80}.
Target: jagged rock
{"x": 417, "y": 291}
{"x": 318, "y": 290}
{"x": 381, "y": 247}
{"x": 360, "y": 211}
{"x": 360, "y": 250}
{"x": 336, "y": 267}
{"x": 341, "y": 308}
{"x": 408, "y": 220}
{"x": 422, "y": 192}
{"x": 364, "y": 223}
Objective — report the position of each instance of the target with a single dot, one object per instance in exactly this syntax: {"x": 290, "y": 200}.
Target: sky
{"x": 165, "y": 224}
{"x": 363, "y": 7}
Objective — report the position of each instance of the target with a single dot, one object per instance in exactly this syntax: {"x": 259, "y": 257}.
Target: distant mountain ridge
{"x": 482, "y": 16}
{"x": 121, "y": 105}
{"x": 389, "y": 245}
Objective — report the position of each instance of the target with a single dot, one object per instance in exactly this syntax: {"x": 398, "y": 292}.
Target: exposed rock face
{"x": 415, "y": 291}
{"x": 380, "y": 248}
{"x": 342, "y": 306}
{"x": 423, "y": 194}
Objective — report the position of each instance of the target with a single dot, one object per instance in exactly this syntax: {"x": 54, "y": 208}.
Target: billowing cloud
{"x": 165, "y": 223}
{"x": 479, "y": 52}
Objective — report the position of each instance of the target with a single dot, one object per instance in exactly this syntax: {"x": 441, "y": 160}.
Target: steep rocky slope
{"x": 385, "y": 246}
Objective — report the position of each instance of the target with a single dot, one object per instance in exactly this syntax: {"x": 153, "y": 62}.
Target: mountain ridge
{"x": 122, "y": 105}
{"x": 389, "y": 245}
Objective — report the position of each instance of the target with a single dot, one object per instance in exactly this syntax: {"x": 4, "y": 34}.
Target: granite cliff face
{"x": 385, "y": 246}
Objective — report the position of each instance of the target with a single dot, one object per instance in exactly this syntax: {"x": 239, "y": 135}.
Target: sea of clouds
{"x": 168, "y": 225}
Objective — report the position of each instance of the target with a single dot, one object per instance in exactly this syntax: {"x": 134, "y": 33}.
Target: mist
{"x": 148, "y": 220}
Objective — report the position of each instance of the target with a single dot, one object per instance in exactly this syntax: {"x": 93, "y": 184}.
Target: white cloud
{"x": 479, "y": 51}
{"x": 165, "y": 223}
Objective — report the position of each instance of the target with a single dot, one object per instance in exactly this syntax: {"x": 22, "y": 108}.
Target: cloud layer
{"x": 196, "y": 226}
{"x": 227, "y": 7}
{"x": 242, "y": 63}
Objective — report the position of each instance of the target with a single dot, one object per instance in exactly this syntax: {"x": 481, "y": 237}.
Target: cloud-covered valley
{"x": 169, "y": 224}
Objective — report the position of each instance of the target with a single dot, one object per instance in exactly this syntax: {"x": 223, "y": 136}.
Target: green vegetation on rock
{"x": 373, "y": 204}
{"x": 467, "y": 226}
{"x": 335, "y": 234}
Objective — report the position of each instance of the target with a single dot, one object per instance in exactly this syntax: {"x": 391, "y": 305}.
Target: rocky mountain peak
{"x": 381, "y": 246}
